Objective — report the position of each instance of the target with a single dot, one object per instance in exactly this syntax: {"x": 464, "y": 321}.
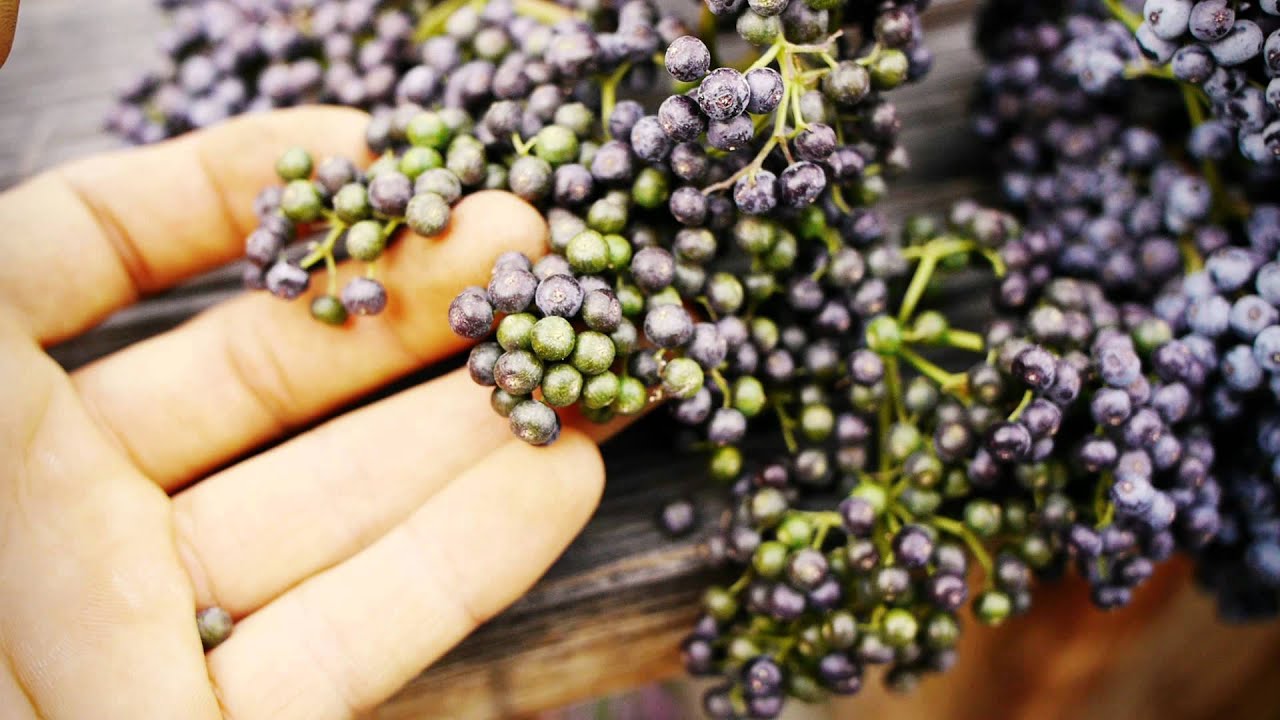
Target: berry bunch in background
{"x": 716, "y": 256}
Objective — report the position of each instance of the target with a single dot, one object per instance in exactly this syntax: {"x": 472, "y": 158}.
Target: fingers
{"x": 89, "y": 237}
{"x": 344, "y": 640}
{"x": 242, "y": 373}
{"x": 8, "y": 24}
{"x": 95, "y": 599}
{"x": 260, "y": 527}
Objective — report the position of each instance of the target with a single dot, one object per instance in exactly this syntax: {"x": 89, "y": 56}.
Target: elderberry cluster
{"x": 715, "y": 255}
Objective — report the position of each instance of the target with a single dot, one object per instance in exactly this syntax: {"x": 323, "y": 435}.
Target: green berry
{"x": 768, "y": 506}
{"x": 941, "y": 631}
{"x": 328, "y": 310}
{"x": 504, "y": 402}
{"x": 782, "y": 255}
{"x": 748, "y": 396}
{"x": 992, "y": 607}
{"x": 632, "y": 397}
{"x": 599, "y": 391}
{"x": 294, "y": 164}
{"x": 214, "y": 625}
{"x": 351, "y": 203}
{"x": 553, "y": 338}
{"x": 795, "y": 532}
{"x": 840, "y": 630}
{"x": 417, "y": 160}
{"x": 982, "y": 517}
{"x": 720, "y": 604}
{"x": 619, "y": 251}
{"x": 726, "y": 463}
{"x": 770, "y": 558}
{"x": 725, "y": 293}
{"x": 557, "y": 145}
{"x": 631, "y": 299}
{"x": 587, "y": 253}
{"x": 817, "y": 422}
{"x": 650, "y": 190}
{"x": 607, "y": 216}
{"x": 515, "y": 332}
{"x": 428, "y": 129}
{"x": 904, "y": 439}
{"x": 930, "y": 327}
{"x": 301, "y": 201}
{"x": 899, "y": 627}
{"x": 1151, "y": 334}
{"x": 365, "y": 241}
{"x": 884, "y": 335}
{"x": 441, "y": 182}
{"x": 561, "y": 385}
{"x": 495, "y": 177}
{"x": 427, "y": 214}
{"x": 758, "y": 29}
{"x": 890, "y": 69}
{"x": 594, "y": 353}
{"x": 682, "y": 378}
{"x": 873, "y": 494}
{"x": 577, "y": 117}
{"x": 755, "y": 235}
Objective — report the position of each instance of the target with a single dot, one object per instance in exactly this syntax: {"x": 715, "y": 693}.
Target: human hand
{"x": 352, "y": 555}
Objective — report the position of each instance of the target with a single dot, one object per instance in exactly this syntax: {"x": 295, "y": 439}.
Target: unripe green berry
{"x": 619, "y": 251}
{"x": 899, "y": 627}
{"x": 427, "y": 214}
{"x": 428, "y": 129}
{"x": 365, "y": 241}
{"x": 982, "y": 517}
{"x": 504, "y": 402}
{"x": 930, "y": 326}
{"x": 593, "y": 353}
{"x": 890, "y": 69}
{"x": 515, "y": 331}
{"x": 795, "y": 532}
{"x": 294, "y": 164}
{"x": 555, "y": 144}
{"x": 587, "y": 253}
{"x": 726, "y": 463}
{"x": 748, "y": 396}
{"x": 328, "y": 310}
{"x": 301, "y": 201}
{"x": 417, "y": 160}
{"x": 553, "y": 338}
{"x": 214, "y": 625}
{"x": 884, "y": 335}
{"x": 650, "y": 189}
{"x": 561, "y": 385}
{"x": 606, "y": 216}
{"x": 992, "y": 607}
{"x": 351, "y": 203}
{"x": 769, "y": 559}
{"x": 682, "y": 378}
{"x": 600, "y": 391}
{"x": 632, "y": 397}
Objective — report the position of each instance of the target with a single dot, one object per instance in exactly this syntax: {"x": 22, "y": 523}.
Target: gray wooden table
{"x": 610, "y": 613}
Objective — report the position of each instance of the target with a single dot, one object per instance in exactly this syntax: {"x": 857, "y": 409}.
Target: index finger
{"x": 86, "y": 238}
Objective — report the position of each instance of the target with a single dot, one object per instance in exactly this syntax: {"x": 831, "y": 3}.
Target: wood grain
{"x": 609, "y": 615}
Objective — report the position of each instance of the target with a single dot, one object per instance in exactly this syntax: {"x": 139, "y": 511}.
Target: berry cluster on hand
{"x": 715, "y": 250}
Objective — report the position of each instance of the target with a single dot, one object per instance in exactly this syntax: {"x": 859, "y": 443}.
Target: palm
{"x": 352, "y": 555}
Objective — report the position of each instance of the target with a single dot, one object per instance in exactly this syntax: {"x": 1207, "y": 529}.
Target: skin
{"x": 132, "y": 491}
{"x": 8, "y": 23}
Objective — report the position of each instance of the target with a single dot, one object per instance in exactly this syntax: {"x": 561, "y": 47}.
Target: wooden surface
{"x": 609, "y": 615}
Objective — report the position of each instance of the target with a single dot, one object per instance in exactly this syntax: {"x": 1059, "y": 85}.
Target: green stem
{"x": 952, "y": 527}
{"x": 325, "y": 248}
{"x": 1118, "y": 10}
{"x": 964, "y": 340}
{"x": 1026, "y": 400}
{"x": 944, "y": 379}
{"x": 609, "y": 96}
{"x": 741, "y": 583}
{"x": 723, "y": 384}
{"x": 788, "y": 426}
{"x": 919, "y": 282}
{"x": 1103, "y": 509}
{"x": 893, "y": 385}
{"x": 544, "y": 11}
{"x": 433, "y": 21}
{"x": 331, "y": 270}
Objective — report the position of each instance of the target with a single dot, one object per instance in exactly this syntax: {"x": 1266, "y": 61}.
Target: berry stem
{"x": 893, "y": 385}
{"x": 544, "y": 11}
{"x": 432, "y": 22}
{"x": 723, "y": 384}
{"x": 325, "y": 248}
{"x": 964, "y": 340}
{"x": 1129, "y": 18}
{"x": 1026, "y": 400}
{"x": 919, "y": 282}
{"x": 1103, "y": 509}
{"x": 788, "y": 426}
{"x": 952, "y": 527}
{"x": 947, "y": 381}
{"x": 609, "y": 96}
{"x": 331, "y": 270}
